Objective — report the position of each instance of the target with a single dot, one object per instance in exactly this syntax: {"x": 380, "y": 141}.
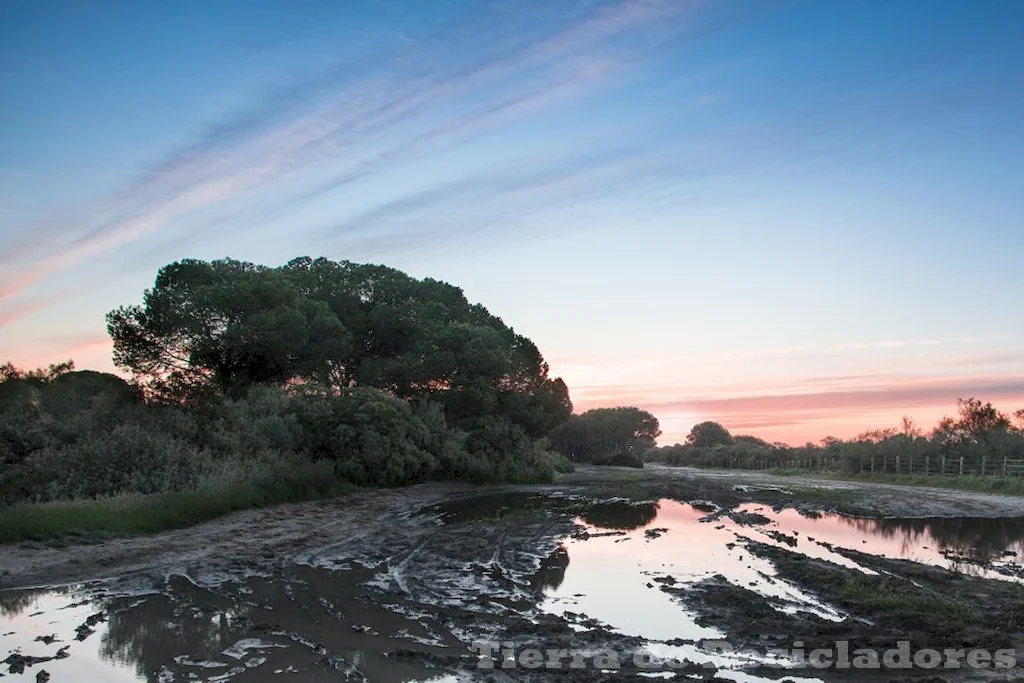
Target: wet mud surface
{"x": 611, "y": 574}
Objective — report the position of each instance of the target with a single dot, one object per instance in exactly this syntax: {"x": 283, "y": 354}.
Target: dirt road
{"x": 399, "y": 584}
{"x": 254, "y": 540}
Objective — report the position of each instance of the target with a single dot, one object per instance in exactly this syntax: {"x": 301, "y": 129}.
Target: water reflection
{"x": 620, "y": 515}
{"x": 311, "y": 622}
{"x": 16, "y": 602}
{"x": 148, "y": 634}
{"x": 627, "y": 566}
{"x": 981, "y": 540}
{"x": 630, "y": 566}
{"x": 551, "y": 573}
{"x": 983, "y": 547}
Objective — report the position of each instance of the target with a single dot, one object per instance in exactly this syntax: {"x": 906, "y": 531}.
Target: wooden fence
{"x": 894, "y": 464}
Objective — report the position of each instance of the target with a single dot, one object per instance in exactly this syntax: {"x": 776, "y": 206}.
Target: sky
{"x": 797, "y": 218}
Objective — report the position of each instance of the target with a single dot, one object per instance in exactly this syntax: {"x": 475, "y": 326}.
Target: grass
{"x": 901, "y": 603}
{"x": 135, "y": 513}
{"x": 908, "y": 606}
{"x": 1009, "y": 486}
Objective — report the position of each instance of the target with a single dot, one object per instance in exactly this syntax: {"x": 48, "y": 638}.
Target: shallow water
{"x": 627, "y": 552}
{"x": 306, "y": 622}
{"x": 625, "y": 567}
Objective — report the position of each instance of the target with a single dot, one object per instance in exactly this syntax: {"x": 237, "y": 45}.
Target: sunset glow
{"x": 723, "y": 211}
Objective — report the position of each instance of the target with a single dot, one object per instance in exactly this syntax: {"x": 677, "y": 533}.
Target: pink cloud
{"x": 91, "y": 351}
{"x": 809, "y": 411}
{"x": 12, "y": 313}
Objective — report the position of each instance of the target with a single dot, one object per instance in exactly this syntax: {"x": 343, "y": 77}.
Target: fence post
{"x": 961, "y": 465}
{"x": 926, "y": 464}
{"x": 943, "y": 472}
{"x": 983, "y": 465}
{"x": 897, "y": 464}
{"x": 872, "y": 464}
{"x": 1004, "y": 467}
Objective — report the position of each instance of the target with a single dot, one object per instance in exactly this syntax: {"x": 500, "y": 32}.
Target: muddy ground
{"x": 398, "y": 584}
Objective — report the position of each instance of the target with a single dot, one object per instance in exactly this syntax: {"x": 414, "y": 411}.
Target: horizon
{"x": 711, "y": 211}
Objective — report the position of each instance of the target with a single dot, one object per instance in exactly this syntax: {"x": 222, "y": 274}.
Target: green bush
{"x": 93, "y": 437}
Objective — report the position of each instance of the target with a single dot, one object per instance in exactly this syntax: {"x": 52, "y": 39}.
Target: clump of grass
{"x": 911, "y": 606}
{"x": 1009, "y": 486}
{"x": 789, "y": 472}
{"x": 137, "y": 513}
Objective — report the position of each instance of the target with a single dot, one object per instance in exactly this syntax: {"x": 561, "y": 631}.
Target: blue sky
{"x": 798, "y": 218}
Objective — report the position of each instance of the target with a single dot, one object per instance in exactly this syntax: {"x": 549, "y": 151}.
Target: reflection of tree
{"x": 551, "y": 573}
{"x": 620, "y": 515}
{"x": 149, "y": 635}
{"x": 976, "y": 539}
{"x": 13, "y": 603}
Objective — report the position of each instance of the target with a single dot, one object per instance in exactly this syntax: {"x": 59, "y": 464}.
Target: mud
{"x": 661, "y": 573}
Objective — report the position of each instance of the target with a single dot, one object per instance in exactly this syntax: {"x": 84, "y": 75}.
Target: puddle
{"x": 631, "y": 564}
{"x": 45, "y": 624}
{"x": 626, "y": 554}
{"x": 400, "y": 607}
{"x": 982, "y": 547}
{"x": 310, "y": 623}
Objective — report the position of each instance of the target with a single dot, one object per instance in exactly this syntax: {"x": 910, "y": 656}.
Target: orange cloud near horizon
{"x": 805, "y": 413}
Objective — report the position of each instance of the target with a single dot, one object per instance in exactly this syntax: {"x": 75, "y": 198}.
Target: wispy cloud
{"x": 336, "y": 118}
{"x": 889, "y": 344}
{"x": 13, "y": 312}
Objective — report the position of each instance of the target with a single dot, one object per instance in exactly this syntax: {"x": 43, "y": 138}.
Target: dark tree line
{"x": 293, "y": 376}
{"x": 978, "y": 434}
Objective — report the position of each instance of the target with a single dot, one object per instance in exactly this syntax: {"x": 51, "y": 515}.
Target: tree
{"x": 707, "y": 434}
{"x": 22, "y": 386}
{"x": 607, "y": 436}
{"x": 977, "y": 423}
{"x": 752, "y": 440}
{"x": 910, "y": 428}
{"x": 225, "y": 326}
{"x": 321, "y": 326}
{"x": 8, "y": 372}
{"x": 979, "y": 420}
{"x": 876, "y": 435}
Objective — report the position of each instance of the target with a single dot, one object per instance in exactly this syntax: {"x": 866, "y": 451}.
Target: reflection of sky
{"x": 867, "y": 536}
{"x": 723, "y": 210}
{"x": 608, "y": 575}
{"x": 84, "y": 664}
